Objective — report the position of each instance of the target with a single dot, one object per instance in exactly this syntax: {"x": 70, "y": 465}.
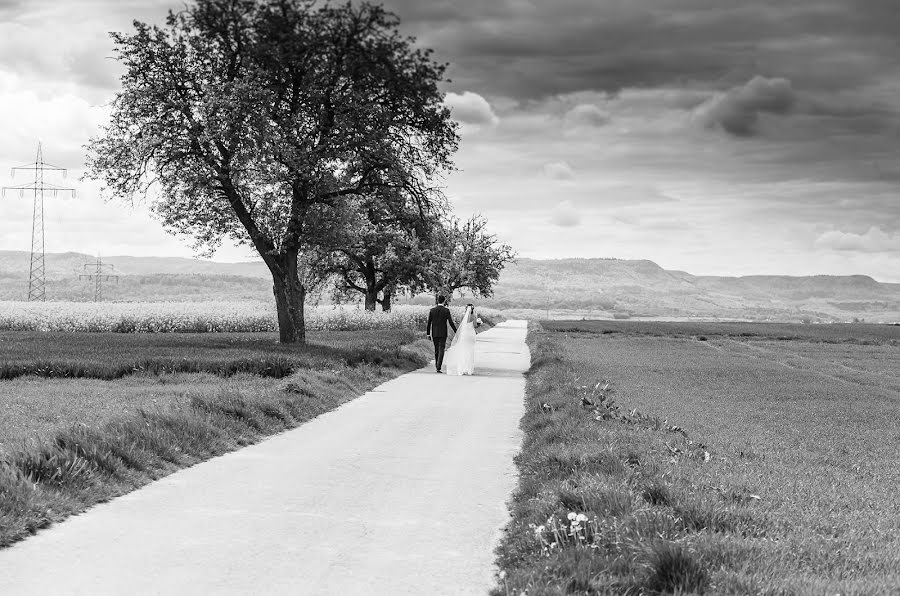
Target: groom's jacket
{"x": 438, "y": 318}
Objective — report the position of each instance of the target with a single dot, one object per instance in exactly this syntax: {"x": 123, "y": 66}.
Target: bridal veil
{"x": 460, "y": 359}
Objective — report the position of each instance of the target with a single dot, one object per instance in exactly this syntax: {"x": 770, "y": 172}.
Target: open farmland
{"x": 113, "y": 355}
{"x": 721, "y": 458}
{"x": 51, "y": 380}
{"x": 87, "y": 414}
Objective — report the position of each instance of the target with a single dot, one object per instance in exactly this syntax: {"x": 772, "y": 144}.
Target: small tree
{"x": 374, "y": 247}
{"x": 464, "y": 256}
{"x": 246, "y": 116}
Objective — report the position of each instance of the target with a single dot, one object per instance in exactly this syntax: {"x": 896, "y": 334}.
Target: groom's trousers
{"x": 440, "y": 345}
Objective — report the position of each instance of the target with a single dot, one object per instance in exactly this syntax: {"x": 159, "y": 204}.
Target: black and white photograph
{"x": 450, "y": 297}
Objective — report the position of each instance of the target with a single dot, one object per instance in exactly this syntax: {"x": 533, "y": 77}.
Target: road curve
{"x": 402, "y": 491}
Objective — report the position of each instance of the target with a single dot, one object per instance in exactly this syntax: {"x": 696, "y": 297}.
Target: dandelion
{"x": 573, "y": 516}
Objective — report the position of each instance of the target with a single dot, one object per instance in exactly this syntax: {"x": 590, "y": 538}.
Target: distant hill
{"x": 611, "y": 288}
{"x": 72, "y": 263}
{"x": 632, "y": 288}
{"x": 139, "y": 278}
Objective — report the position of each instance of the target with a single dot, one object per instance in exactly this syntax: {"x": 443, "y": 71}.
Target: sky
{"x": 718, "y": 137}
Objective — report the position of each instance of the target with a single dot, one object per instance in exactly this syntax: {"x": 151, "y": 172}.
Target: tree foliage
{"x": 464, "y": 255}
{"x": 373, "y": 248}
{"x": 250, "y": 119}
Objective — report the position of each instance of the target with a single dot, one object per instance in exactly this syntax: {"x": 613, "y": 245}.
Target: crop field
{"x": 725, "y": 458}
{"x": 201, "y": 317}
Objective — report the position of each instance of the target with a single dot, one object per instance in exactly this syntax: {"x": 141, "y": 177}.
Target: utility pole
{"x": 99, "y": 275}
{"x": 36, "y": 274}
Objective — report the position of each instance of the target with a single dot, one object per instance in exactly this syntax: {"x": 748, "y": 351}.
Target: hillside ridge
{"x": 605, "y": 287}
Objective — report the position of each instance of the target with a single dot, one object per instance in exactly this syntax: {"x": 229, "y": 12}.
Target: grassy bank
{"x": 672, "y": 462}
{"x": 113, "y": 356}
{"x": 116, "y": 441}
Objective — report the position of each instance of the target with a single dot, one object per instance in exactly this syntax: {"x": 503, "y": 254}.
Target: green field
{"x": 88, "y": 416}
{"x": 735, "y": 459}
{"x": 114, "y": 355}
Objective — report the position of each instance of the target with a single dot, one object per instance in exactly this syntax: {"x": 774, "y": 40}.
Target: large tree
{"x": 464, "y": 255}
{"x": 245, "y": 117}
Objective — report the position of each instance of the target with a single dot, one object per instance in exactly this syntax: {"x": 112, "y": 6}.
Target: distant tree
{"x": 374, "y": 247}
{"x": 463, "y": 255}
{"x": 246, "y": 116}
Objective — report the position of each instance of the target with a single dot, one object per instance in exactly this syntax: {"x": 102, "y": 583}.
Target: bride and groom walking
{"x": 460, "y": 358}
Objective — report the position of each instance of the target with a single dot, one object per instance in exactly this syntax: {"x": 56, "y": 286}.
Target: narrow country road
{"x": 402, "y": 491}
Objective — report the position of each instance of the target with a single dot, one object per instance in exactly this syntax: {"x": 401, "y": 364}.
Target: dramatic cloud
{"x": 548, "y": 48}
{"x": 471, "y": 108}
{"x": 873, "y": 241}
{"x": 738, "y": 111}
{"x": 802, "y": 176}
{"x": 559, "y": 170}
{"x": 565, "y": 215}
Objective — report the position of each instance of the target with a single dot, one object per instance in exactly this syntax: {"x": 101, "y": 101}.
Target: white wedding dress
{"x": 460, "y": 358}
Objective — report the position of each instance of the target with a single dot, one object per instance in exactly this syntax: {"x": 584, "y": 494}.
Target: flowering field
{"x": 200, "y": 317}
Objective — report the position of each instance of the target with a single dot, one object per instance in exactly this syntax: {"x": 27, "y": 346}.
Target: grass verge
{"x": 72, "y": 469}
{"x": 614, "y": 501}
{"x": 113, "y": 356}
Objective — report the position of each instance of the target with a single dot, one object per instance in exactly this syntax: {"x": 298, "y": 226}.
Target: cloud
{"x": 559, "y": 170}
{"x": 647, "y": 43}
{"x": 565, "y": 215}
{"x": 471, "y": 108}
{"x": 738, "y": 111}
{"x": 586, "y": 116}
{"x": 625, "y": 91}
{"x": 67, "y": 43}
{"x": 874, "y": 241}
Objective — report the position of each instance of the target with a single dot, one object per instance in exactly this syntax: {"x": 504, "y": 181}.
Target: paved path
{"x": 402, "y": 491}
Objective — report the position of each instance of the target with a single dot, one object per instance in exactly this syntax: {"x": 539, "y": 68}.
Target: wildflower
{"x": 572, "y": 516}
{"x": 581, "y": 517}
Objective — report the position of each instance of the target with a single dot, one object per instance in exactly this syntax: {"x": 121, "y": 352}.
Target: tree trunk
{"x": 386, "y": 301}
{"x": 289, "y": 298}
{"x": 371, "y": 289}
{"x": 371, "y": 299}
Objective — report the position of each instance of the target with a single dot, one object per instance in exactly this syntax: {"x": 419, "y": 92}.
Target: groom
{"x": 438, "y": 319}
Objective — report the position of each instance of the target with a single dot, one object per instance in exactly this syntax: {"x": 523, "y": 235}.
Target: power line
{"x": 99, "y": 275}
{"x": 36, "y": 274}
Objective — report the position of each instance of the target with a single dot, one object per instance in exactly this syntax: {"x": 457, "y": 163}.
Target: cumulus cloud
{"x": 737, "y": 111}
{"x": 559, "y": 170}
{"x": 565, "y": 215}
{"x": 875, "y": 240}
{"x": 471, "y": 108}
{"x": 586, "y": 116}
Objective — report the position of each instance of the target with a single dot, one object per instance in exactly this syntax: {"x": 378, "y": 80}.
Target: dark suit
{"x": 438, "y": 319}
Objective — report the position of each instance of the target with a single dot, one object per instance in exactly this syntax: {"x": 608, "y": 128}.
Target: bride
{"x": 460, "y": 358}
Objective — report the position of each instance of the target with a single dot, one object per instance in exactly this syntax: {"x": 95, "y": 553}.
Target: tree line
{"x": 316, "y": 134}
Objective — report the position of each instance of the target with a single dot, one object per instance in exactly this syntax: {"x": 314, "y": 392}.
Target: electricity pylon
{"x": 99, "y": 276}
{"x": 36, "y": 275}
